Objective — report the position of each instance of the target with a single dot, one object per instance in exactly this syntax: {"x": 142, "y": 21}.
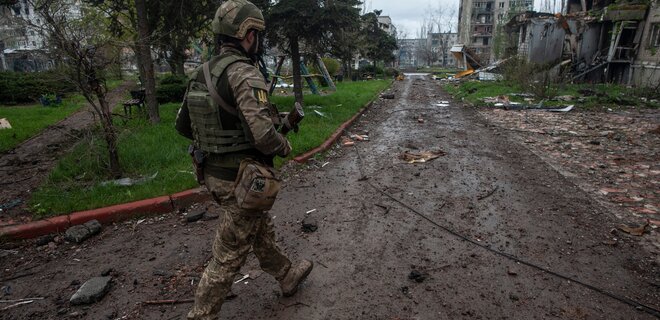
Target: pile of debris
{"x": 614, "y": 153}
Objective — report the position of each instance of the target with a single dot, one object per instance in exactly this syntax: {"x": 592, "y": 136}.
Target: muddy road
{"x": 373, "y": 213}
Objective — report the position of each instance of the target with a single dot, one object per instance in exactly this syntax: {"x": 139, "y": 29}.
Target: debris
{"x": 210, "y": 216}
{"x": 387, "y": 96}
{"x": 10, "y": 204}
{"x": 359, "y": 137}
{"x": 16, "y": 305}
{"x": 126, "y": 182}
{"x": 421, "y": 157}
{"x": 512, "y": 272}
{"x": 195, "y": 214}
{"x": 635, "y": 231}
{"x": 325, "y": 164}
{"x": 417, "y": 276}
{"x": 245, "y": 277}
{"x": 565, "y": 98}
{"x": 81, "y": 232}
{"x": 21, "y": 300}
{"x": 310, "y": 211}
{"x": 91, "y": 291}
{"x": 309, "y": 225}
{"x": 4, "y": 124}
{"x": 420, "y": 120}
{"x": 566, "y": 109}
{"x": 320, "y": 113}
{"x": 347, "y": 142}
{"x": 44, "y": 240}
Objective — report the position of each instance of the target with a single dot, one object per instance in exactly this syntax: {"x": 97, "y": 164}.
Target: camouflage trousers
{"x": 238, "y": 233}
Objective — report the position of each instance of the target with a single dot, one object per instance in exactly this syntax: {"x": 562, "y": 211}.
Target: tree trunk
{"x": 295, "y": 61}
{"x": 109, "y": 132}
{"x": 176, "y": 61}
{"x": 144, "y": 49}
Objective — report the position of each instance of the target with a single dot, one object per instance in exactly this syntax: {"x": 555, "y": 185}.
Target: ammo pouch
{"x": 256, "y": 186}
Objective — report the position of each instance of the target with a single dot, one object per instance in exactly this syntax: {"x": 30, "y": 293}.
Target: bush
{"x": 391, "y": 72}
{"x": 369, "y": 69}
{"x": 25, "y": 87}
{"x": 172, "y": 88}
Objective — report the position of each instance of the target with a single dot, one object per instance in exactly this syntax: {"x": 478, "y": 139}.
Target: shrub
{"x": 370, "y": 69}
{"x": 171, "y": 88}
{"x": 24, "y": 87}
{"x": 391, "y": 72}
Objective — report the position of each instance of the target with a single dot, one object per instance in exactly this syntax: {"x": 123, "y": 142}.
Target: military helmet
{"x": 235, "y": 17}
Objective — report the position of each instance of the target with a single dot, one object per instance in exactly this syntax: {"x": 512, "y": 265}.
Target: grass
{"x": 605, "y": 96}
{"x": 26, "y": 121}
{"x": 145, "y": 149}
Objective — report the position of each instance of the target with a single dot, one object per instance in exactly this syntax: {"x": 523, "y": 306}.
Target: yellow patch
{"x": 261, "y": 95}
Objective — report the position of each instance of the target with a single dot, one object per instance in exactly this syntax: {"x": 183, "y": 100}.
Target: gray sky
{"x": 409, "y": 14}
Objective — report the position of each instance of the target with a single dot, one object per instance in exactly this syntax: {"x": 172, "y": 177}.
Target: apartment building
{"x": 478, "y": 22}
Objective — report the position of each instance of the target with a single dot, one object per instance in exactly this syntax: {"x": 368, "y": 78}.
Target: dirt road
{"x": 488, "y": 188}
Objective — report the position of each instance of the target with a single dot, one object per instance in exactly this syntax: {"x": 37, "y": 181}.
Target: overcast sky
{"x": 408, "y": 15}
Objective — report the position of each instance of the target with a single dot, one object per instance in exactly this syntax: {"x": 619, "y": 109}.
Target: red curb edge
{"x": 120, "y": 212}
{"x": 333, "y": 138}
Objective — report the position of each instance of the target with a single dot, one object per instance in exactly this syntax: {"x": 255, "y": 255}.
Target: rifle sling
{"x": 214, "y": 93}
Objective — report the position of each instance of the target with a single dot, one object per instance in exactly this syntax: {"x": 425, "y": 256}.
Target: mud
{"x": 25, "y": 167}
{"x": 488, "y": 187}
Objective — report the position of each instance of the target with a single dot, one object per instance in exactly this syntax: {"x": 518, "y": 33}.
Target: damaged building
{"x": 594, "y": 41}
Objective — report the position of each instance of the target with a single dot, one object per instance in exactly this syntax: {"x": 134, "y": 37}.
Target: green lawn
{"x": 146, "y": 150}
{"x": 27, "y": 121}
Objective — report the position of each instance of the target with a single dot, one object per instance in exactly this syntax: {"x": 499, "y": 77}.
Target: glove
{"x": 286, "y": 150}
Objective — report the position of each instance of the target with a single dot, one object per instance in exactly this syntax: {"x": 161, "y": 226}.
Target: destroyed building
{"x": 595, "y": 41}
{"x": 478, "y": 21}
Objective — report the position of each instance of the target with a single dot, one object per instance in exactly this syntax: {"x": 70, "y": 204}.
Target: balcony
{"x": 482, "y": 11}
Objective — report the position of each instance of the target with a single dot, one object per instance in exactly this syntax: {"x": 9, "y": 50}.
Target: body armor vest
{"x": 207, "y": 116}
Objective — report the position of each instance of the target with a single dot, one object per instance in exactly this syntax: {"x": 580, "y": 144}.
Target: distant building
{"x": 407, "y": 55}
{"x": 385, "y": 23}
{"x": 478, "y": 21}
{"x": 440, "y": 45}
{"x": 22, "y": 46}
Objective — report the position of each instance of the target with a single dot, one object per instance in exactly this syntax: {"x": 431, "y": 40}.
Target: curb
{"x": 163, "y": 204}
{"x": 327, "y": 144}
{"x": 120, "y": 212}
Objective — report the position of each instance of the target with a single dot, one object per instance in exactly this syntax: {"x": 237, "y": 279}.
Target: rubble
{"x": 195, "y": 214}
{"x": 82, "y": 232}
{"x": 91, "y": 291}
{"x": 421, "y": 157}
{"x": 614, "y": 154}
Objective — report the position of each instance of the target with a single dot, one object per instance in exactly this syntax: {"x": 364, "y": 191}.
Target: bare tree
{"x": 144, "y": 53}
{"x": 84, "y": 49}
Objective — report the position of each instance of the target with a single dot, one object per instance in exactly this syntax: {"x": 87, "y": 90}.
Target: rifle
{"x": 292, "y": 119}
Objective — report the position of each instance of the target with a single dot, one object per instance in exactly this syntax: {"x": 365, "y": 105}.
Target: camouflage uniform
{"x": 240, "y": 230}
{"x": 242, "y": 126}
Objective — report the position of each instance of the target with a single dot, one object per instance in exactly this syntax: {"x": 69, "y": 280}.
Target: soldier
{"x": 227, "y": 114}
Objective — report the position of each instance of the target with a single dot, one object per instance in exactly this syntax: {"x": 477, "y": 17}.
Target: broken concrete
{"x": 82, "y": 232}
{"x": 91, "y": 291}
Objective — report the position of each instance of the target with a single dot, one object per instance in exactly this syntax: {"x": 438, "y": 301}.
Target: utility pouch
{"x": 256, "y": 186}
{"x": 198, "y": 158}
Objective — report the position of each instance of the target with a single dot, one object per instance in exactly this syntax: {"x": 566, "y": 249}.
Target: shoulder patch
{"x": 259, "y": 89}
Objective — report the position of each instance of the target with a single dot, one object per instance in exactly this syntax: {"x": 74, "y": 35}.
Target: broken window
{"x": 485, "y": 41}
{"x": 655, "y": 35}
{"x": 501, "y": 4}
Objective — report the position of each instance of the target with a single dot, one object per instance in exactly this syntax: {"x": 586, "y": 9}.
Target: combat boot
{"x": 295, "y": 276}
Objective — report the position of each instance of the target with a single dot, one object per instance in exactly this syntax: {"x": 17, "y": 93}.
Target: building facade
{"x": 479, "y": 21}
{"x": 22, "y": 46}
{"x": 440, "y": 45}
